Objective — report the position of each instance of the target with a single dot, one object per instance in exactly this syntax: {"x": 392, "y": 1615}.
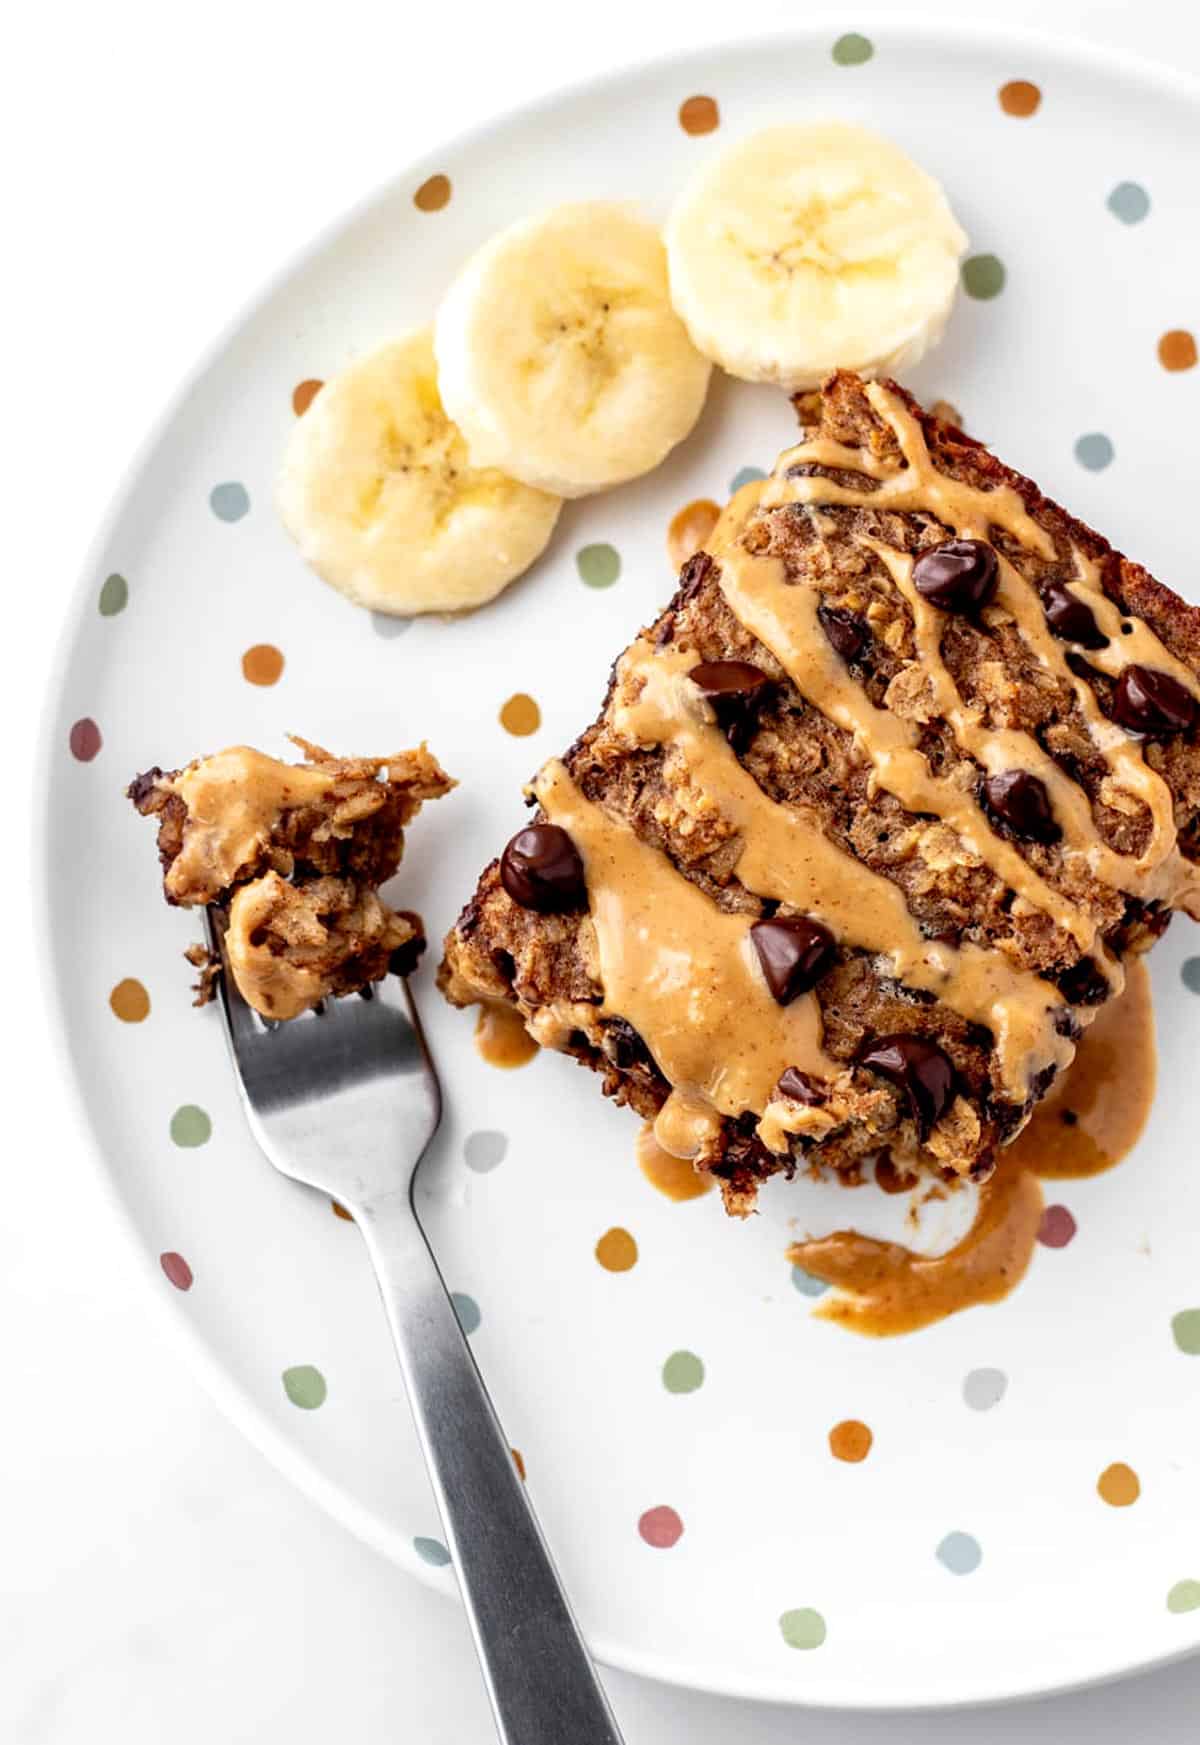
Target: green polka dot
{"x": 983, "y": 276}
{"x": 807, "y": 1283}
{"x": 190, "y": 1126}
{"x": 802, "y": 1628}
{"x": 114, "y": 596}
{"x": 1190, "y": 971}
{"x": 682, "y": 1373}
{"x": 305, "y": 1386}
{"x": 852, "y": 50}
{"x": 467, "y": 1310}
{"x": 1184, "y": 1597}
{"x": 598, "y": 565}
{"x": 1186, "y": 1328}
{"x": 1094, "y": 451}
{"x": 431, "y": 1551}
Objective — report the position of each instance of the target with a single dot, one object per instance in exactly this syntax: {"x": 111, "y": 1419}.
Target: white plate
{"x": 1068, "y": 1588}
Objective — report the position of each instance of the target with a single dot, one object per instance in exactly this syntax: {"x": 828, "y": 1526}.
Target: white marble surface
{"x": 157, "y": 1579}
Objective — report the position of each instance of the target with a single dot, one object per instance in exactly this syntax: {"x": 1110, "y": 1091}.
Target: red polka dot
{"x": 84, "y": 739}
{"x": 661, "y": 1527}
{"x": 177, "y": 1270}
{"x": 1056, "y": 1228}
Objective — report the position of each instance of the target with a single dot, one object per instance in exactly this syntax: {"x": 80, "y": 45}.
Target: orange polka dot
{"x": 1019, "y": 97}
{"x": 1177, "y": 349}
{"x": 699, "y": 115}
{"x": 262, "y": 664}
{"x": 518, "y": 1462}
{"x": 130, "y": 1001}
{"x": 520, "y": 715}
{"x": 616, "y": 1250}
{"x": 339, "y": 1211}
{"x": 1119, "y": 1485}
{"x": 850, "y": 1441}
{"x": 690, "y": 528}
{"x": 433, "y": 194}
{"x": 303, "y": 395}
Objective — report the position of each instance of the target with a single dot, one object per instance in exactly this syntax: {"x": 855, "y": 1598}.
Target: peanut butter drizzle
{"x": 888, "y": 1289}
{"x": 501, "y": 1037}
{"x": 786, "y": 856}
{"x": 675, "y": 1177}
{"x": 274, "y": 984}
{"x": 684, "y": 974}
{"x": 233, "y": 800}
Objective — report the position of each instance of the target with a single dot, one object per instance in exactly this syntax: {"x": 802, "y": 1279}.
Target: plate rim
{"x": 235, "y": 1401}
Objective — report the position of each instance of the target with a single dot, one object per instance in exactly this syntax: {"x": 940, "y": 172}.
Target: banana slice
{"x": 811, "y": 247}
{"x": 378, "y": 492}
{"x": 559, "y": 355}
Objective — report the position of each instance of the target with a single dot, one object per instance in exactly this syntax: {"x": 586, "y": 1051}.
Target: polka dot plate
{"x": 742, "y": 1496}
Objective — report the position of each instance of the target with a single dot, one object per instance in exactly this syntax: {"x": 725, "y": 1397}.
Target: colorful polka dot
{"x": 484, "y": 1150}
{"x": 850, "y": 1441}
{"x": 802, "y": 1628}
{"x": 616, "y": 1250}
{"x": 1057, "y": 1227}
{"x": 807, "y": 1283}
{"x": 229, "y": 502}
{"x": 262, "y": 664}
{"x": 387, "y": 625}
{"x": 519, "y": 1463}
{"x": 1177, "y": 350}
{"x": 598, "y": 565}
{"x": 983, "y": 276}
{"x": 682, "y": 1373}
{"x": 1094, "y": 451}
{"x": 1185, "y": 1326}
{"x": 431, "y": 1551}
{"x": 699, "y": 115}
{"x": 177, "y": 1270}
{"x": 1019, "y": 97}
{"x": 745, "y": 476}
{"x": 959, "y": 1553}
{"x": 467, "y": 1310}
{"x": 661, "y": 1527}
{"x": 1184, "y": 1597}
{"x": 520, "y": 716}
{"x": 339, "y": 1211}
{"x": 852, "y": 50}
{"x": 84, "y": 739}
{"x": 433, "y": 194}
{"x": 984, "y": 1388}
{"x": 190, "y": 1126}
{"x": 1129, "y": 202}
{"x": 1119, "y": 1485}
{"x": 114, "y": 596}
{"x": 1190, "y": 971}
{"x": 305, "y": 1386}
{"x": 129, "y": 1001}
{"x": 303, "y": 395}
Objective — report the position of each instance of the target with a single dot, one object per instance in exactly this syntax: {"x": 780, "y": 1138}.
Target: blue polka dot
{"x": 432, "y": 1551}
{"x": 1129, "y": 202}
{"x": 807, "y": 1284}
{"x": 959, "y": 1553}
{"x": 1094, "y": 451}
{"x": 467, "y": 1310}
{"x": 1190, "y": 971}
{"x": 747, "y": 476}
{"x": 229, "y": 502}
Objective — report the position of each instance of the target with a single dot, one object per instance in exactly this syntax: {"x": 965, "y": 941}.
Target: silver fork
{"x": 347, "y": 1100}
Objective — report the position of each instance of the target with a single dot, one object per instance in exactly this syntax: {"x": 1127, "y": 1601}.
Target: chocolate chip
{"x": 692, "y": 576}
{"x": 1147, "y": 701}
{"x": 406, "y": 957}
{"x": 959, "y": 576}
{"x": 919, "y": 1069}
{"x": 1084, "y": 984}
{"x": 541, "y": 870}
{"x": 735, "y": 689}
{"x": 794, "y": 954}
{"x": 624, "y": 1046}
{"x": 802, "y": 1087}
{"x": 1070, "y": 618}
{"x": 1021, "y": 801}
{"x": 847, "y": 634}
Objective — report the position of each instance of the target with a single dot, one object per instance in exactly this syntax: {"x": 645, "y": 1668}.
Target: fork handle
{"x": 539, "y": 1674}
